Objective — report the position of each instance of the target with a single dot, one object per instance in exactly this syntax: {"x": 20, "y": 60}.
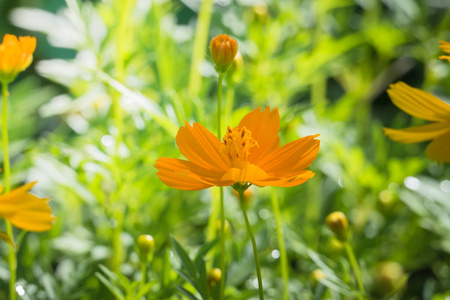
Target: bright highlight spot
{"x": 107, "y": 140}
{"x": 275, "y": 254}
{"x": 20, "y": 290}
{"x": 412, "y": 183}
{"x": 255, "y": 282}
{"x": 264, "y": 213}
{"x": 445, "y": 187}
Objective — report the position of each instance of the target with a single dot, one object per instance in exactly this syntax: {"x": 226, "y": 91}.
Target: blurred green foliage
{"x": 325, "y": 64}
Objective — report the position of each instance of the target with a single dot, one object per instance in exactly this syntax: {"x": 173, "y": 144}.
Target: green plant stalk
{"x": 119, "y": 65}
{"x": 12, "y": 260}
{"x": 144, "y": 272}
{"x": 355, "y": 267}
{"x": 252, "y": 238}
{"x": 281, "y": 245}
{"x": 229, "y": 101}
{"x": 222, "y": 208}
{"x": 201, "y": 36}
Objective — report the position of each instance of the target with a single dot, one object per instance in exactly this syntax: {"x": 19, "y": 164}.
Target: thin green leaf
{"x": 186, "y": 293}
{"x": 185, "y": 260}
{"x": 113, "y": 289}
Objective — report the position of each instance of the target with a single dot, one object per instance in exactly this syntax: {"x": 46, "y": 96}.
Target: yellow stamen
{"x": 237, "y": 143}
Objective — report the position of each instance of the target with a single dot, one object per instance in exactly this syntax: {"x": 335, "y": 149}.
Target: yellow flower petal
{"x": 300, "y": 178}
{"x": 418, "y": 103}
{"x": 264, "y": 127}
{"x": 201, "y": 147}
{"x": 445, "y": 46}
{"x": 417, "y": 133}
{"x": 439, "y": 149}
{"x": 292, "y": 158}
{"x": 249, "y": 173}
{"x": 26, "y": 211}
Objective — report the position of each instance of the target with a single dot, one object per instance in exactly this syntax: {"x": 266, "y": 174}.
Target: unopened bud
{"x": 389, "y": 277}
{"x": 317, "y": 275}
{"x": 214, "y": 277}
{"x": 223, "y": 51}
{"x": 338, "y": 223}
{"x": 146, "y": 245}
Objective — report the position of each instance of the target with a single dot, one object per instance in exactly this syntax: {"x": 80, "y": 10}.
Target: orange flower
{"x": 445, "y": 46}
{"x": 15, "y": 56}
{"x": 223, "y": 51}
{"x": 422, "y": 105}
{"x": 25, "y": 210}
{"x": 248, "y": 153}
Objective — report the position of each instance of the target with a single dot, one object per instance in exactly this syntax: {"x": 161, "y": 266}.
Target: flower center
{"x": 237, "y": 143}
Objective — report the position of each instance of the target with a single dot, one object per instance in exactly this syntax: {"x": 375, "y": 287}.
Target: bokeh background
{"x": 326, "y": 64}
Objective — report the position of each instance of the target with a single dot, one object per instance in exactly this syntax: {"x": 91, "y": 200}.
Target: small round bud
{"x": 214, "y": 277}
{"x": 146, "y": 244}
{"x": 223, "y": 51}
{"x": 389, "y": 277}
{"x": 317, "y": 275}
{"x": 338, "y": 223}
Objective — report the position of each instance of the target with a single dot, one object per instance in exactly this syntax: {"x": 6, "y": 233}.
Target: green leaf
{"x": 185, "y": 292}
{"x": 113, "y": 289}
{"x": 205, "y": 249}
{"x": 185, "y": 260}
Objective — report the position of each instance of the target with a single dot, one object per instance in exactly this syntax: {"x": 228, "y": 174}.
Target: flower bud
{"x": 146, "y": 245}
{"x": 15, "y": 56}
{"x": 338, "y": 223}
{"x": 223, "y": 51}
{"x": 214, "y": 277}
{"x": 389, "y": 277}
{"x": 317, "y": 275}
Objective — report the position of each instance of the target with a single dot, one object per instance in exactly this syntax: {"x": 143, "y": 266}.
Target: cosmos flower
{"x": 25, "y": 210}
{"x": 15, "y": 56}
{"x": 247, "y": 154}
{"x": 422, "y": 105}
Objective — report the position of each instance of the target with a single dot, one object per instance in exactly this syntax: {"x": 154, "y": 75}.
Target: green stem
{"x": 219, "y": 106}
{"x": 229, "y": 101}
{"x": 355, "y": 267}
{"x": 222, "y": 208}
{"x": 201, "y": 36}
{"x": 144, "y": 272}
{"x": 252, "y": 238}
{"x": 12, "y": 260}
{"x": 119, "y": 65}
{"x": 280, "y": 236}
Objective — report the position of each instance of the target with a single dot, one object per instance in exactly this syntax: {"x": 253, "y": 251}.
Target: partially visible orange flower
{"x": 422, "y": 105}
{"x": 223, "y": 51}
{"x": 15, "y": 56}
{"x": 25, "y": 210}
{"x": 445, "y": 46}
{"x": 248, "y": 153}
